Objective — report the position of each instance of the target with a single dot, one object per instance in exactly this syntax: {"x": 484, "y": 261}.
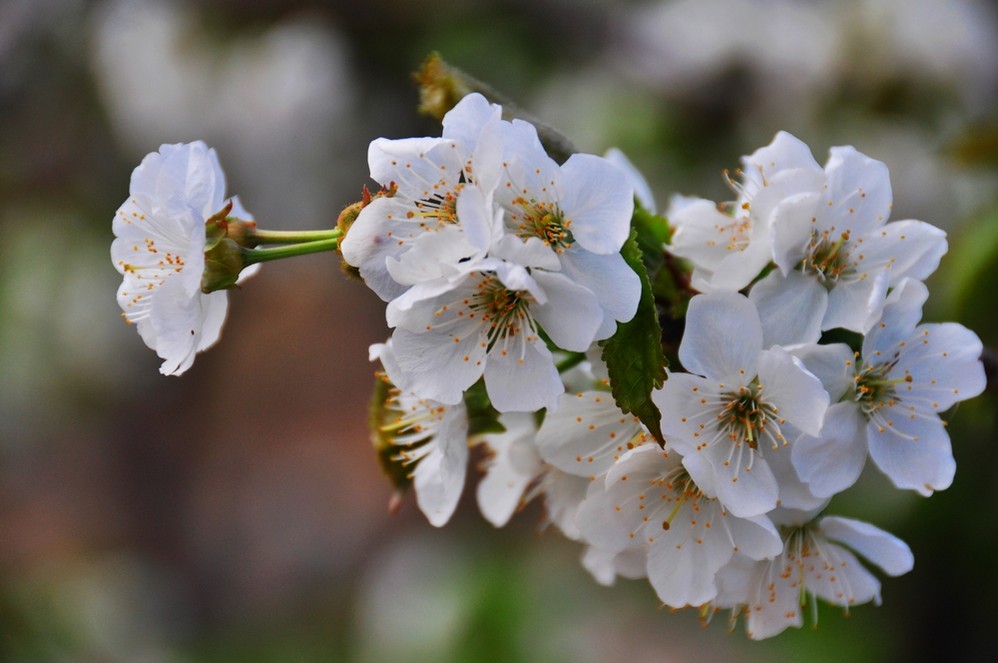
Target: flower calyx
{"x": 350, "y": 213}
{"x": 226, "y": 238}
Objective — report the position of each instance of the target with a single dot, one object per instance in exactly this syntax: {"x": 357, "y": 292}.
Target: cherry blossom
{"x": 817, "y": 562}
{"x": 889, "y": 399}
{"x": 649, "y": 499}
{"x": 732, "y": 407}
{"x": 438, "y": 201}
{"x": 159, "y": 251}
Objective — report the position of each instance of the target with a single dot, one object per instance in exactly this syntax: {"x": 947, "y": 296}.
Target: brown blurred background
{"x": 236, "y": 513}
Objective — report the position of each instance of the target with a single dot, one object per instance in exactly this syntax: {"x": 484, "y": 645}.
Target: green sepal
{"x": 216, "y": 227}
{"x": 222, "y": 264}
{"x": 482, "y": 417}
{"x": 385, "y": 450}
{"x": 634, "y": 356}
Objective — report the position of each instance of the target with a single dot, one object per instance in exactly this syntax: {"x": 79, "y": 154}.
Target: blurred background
{"x": 237, "y": 513}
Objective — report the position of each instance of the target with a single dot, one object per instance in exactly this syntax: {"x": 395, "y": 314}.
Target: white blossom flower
{"x": 581, "y": 210}
{"x": 814, "y": 564}
{"x": 515, "y": 474}
{"x": 442, "y": 206}
{"x": 733, "y": 406}
{"x": 587, "y": 433}
{"x": 430, "y": 436}
{"x": 889, "y": 399}
{"x": 730, "y": 248}
{"x": 450, "y": 332}
{"x": 512, "y": 465}
{"x": 649, "y": 498}
{"x": 159, "y": 251}
{"x": 836, "y": 253}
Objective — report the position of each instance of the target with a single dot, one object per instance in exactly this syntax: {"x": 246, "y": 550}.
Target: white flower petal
{"x": 723, "y": 337}
{"x": 180, "y": 175}
{"x": 474, "y": 124}
{"x": 418, "y": 307}
{"x": 791, "y": 308}
{"x": 859, "y": 186}
{"x": 563, "y": 493}
{"x": 177, "y": 319}
{"x": 523, "y": 379}
{"x": 905, "y": 249}
{"x": 844, "y": 581}
{"x": 745, "y": 484}
{"x": 901, "y": 314}
{"x": 587, "y": 433}
{"x": 785, "y": 152}
{"x": 792, "y": 222}
{"x": 571, "y": 316}
{"x": 798, "y": 394}
{"x": 755, "y": 537}
{"x": 794, "y": 493}
{"x": 430, "y": 256}
{"x": 736, "y": 269}
{"x": 380, "y": 231}
{"x": 529, "y": 252}
{"x": 476, "y": 218}
{"x": 679, "y": 402}
{"x": 773, "y": 606}
{"x": 913, "y": 454}
{"x": 415, "y": 164}
{"x": 214, "y": 307}
{"x": 833, "y": 364}
{"x": 439, "y": 476}
{"x": 437, "y": 367}
{"x": 598, "y": 199}
{"x": 617, "y": 287}
{"x": 683, "y": 560}
{"x": 514, "y": 464}
{"x": 944, "y": 362}
{"x": 612, "y": 515}
{"x": 726, "y": 252}
{"x": 832, "y": 462}
{"x": 882, "y": 548}
{"x": 856, "y": 304}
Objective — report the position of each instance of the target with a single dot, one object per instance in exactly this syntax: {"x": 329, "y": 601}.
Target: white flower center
{"x": 544, "y": 220}
{"x": 507, "y": 312}
{"x": 876, "y": 393}
{"x": 808, "y": 554}
{"x": 828, "y": 257}
{"x": 744, "y": 417}
{"x": 437, "y": 209}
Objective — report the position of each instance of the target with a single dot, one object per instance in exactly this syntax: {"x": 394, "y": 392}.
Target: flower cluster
{"x": 490, "y": 254}
{"x": 764, "y": 420}
{"x": 525, "y": 297}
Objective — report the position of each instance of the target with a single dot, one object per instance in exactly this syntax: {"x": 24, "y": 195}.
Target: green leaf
{"x": 634, "y": 356}
{"x": 653, "y": 233}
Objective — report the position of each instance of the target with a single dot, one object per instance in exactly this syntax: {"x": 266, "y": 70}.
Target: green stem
{"x": 570, "y": 361}
{"x": 293, "y": 236}
{"x": 254, "y": 256}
